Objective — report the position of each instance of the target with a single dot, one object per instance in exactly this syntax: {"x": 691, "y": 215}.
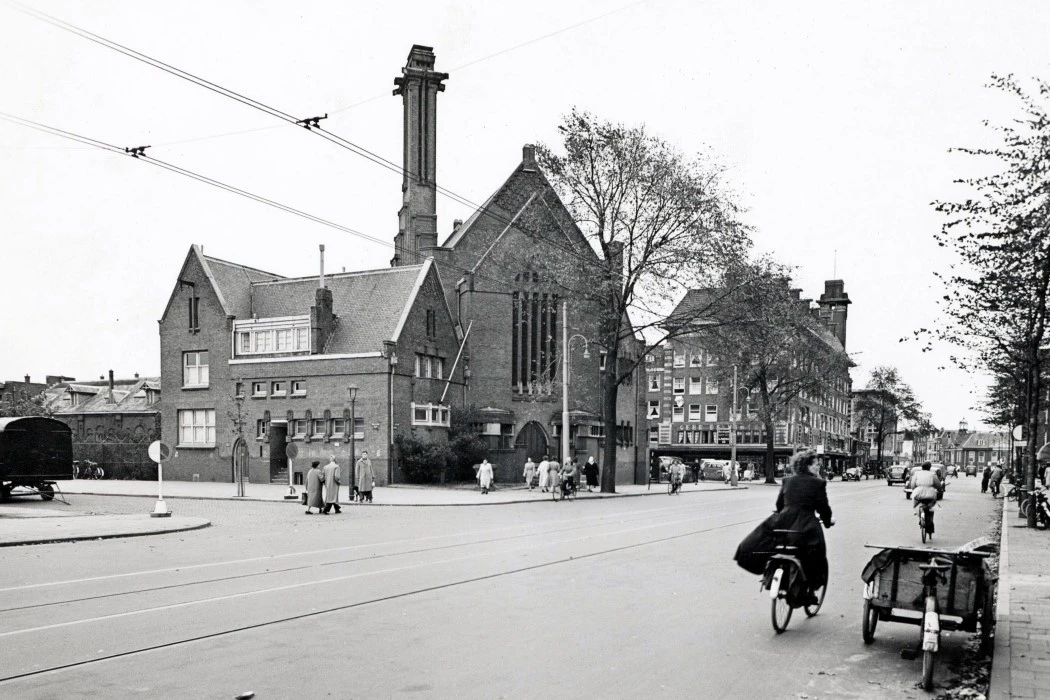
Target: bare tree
{"x": 885, "y": 404}
{"x": 660, "y": 225}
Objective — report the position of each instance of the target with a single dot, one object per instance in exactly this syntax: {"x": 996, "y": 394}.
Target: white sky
{"x": 835, "y": 119}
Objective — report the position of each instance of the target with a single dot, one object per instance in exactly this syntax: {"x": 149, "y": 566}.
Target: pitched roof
{"x": 234, "y": 283}
{"x": 129, "y": 396}
{"x": 369, "y": 304}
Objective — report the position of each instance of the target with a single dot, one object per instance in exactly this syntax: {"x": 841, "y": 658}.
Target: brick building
{"x": 252, "y": 361}
{"x": 112, "y": 421}
{"x": 508, "y": 300}
{"x": 689, "y": 401}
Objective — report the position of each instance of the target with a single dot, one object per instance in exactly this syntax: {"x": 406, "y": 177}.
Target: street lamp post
{"x": 352, "y": 434}
{"x": 732, "y": 435}
{"x": 565, "y": 378}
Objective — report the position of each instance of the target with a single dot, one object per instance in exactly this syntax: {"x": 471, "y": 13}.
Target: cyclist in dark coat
{"x": 802, "y": 498}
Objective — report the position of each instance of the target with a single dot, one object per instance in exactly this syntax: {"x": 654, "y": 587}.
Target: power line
{"x": 284, "y": 116}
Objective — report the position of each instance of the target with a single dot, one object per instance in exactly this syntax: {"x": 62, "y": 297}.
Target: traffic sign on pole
{"x": 160, "y": 452}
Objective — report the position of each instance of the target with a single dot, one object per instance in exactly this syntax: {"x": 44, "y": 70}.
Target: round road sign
{"x": 1018, "y": 432}
{"x": 291, "y": 450}
{"x": 160, "y": 451}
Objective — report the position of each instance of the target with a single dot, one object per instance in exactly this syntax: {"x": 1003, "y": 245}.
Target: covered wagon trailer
{"x": 34, "y": 452}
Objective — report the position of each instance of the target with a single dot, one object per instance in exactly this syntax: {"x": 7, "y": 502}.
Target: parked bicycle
{"x": 87, "y": 469}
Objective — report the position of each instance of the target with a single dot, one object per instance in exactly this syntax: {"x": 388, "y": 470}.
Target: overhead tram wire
{"x": 272, "y": 111}
{"x": 138, "y": 154}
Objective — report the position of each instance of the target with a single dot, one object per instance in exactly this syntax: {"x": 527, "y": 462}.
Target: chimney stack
{"x": 27, "y": 379}
{"x": 528, "y": 158}
{"x": 111, "y": 399}
{"x": 320, "y": 283}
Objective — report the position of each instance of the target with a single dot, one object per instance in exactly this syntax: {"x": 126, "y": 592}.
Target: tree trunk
{"x": 771, "y": 468}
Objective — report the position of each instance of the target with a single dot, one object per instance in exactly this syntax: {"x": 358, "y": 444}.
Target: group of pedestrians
{"x": 322, "y": 485}
{"x": 547, "y": 474}
{"x": 991, "y": 478}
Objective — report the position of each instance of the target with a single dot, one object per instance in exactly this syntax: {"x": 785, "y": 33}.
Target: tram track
{"x": 415, "y": 591}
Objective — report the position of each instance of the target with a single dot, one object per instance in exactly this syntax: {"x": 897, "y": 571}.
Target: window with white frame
{"x": 261, "y": 428}
{"x": 654, "y": 381}
{"x": 338, "y": 427}
{"x": 678, "y": 385}
{"x": 712, "y": 385}
{"x": 696, "y": 385}
{"x": 695, "y": 359}
{"x": 429, "y": 367}
{"x": 650, "y": 358}
{"x": 258, "y": 389}
{"x": 197, "y": 427}
{"x": 677, "y": 414}
{"x": 359, "y": 428}
{"x": 299, "y": 427}
{"x": 679, "y": 359}
{"x": 654, "y": 436}
{"x": 654, "y": 411}
{"x": 278, "y": 389}
{"x": 711, "y": 360}
{"x": 298, "y": 387}
{"x": 695, "y": 413}
{"x": 319, "y": 425}
{"x": 289, "y": 334}
{"x": 711, "y": 412}
{"x": 427, "y": 414}
{"x": 195, "y": 368}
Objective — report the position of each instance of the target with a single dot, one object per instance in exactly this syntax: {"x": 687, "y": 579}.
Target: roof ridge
{"x": 209, "y": 258}
{"x": 342, "y": 275}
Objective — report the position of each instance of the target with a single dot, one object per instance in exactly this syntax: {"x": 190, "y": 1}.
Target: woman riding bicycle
{"x": 925, "y": 485}
{"x": 802, "y": 498}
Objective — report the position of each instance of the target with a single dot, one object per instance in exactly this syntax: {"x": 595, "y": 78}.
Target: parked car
{"x": 971, "y": 469}
{"x": 897, "y": 474}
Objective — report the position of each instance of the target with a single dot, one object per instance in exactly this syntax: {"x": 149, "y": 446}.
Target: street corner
{"x": 69, "y": 527}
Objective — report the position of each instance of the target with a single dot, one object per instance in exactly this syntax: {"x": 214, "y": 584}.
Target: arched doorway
{"x": 531, "y": 442}
{"x": 240, "y": 464}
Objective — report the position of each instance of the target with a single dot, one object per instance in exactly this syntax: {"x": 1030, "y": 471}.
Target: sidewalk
{"x": 1021, "y": 665}
{"x": 37, "y": 525}
{"x": 398, "y": 495}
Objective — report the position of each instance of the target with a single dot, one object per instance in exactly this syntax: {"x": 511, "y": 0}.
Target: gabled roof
{"x": 370, "y": 306}
{"x": 233, "y": 281}
{"x": 129, "y": 396}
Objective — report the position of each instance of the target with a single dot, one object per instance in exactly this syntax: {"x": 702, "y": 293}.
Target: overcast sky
{"x": 834, "y": 119}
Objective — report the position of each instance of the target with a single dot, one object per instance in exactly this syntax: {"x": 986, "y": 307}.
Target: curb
{"x": 999, "y": 686}
{"x": 296, "y": 502}
{"x": 108, "y": 536}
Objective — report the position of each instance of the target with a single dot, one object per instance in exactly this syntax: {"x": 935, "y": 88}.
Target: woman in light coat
{"x": 485, "y": 476}
{"x": 314, "y": 480}
{"x": 366, "y": 478}
{"x": 544, "y": 476}
{"x": 530, "y": 472}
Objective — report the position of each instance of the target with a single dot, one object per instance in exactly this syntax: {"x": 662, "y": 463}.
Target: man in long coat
{"x": 314, "y": 481}
{"x": 331, "y": 486}
{"x": 365, "y": 477}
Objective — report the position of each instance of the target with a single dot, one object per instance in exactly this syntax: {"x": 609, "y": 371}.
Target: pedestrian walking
{"x": 995, "y": 479}
{"x": 590, "y": 471}
{"x": 366, "y": 478}
{"x": 331, "y": 486}
{"x": 985, "y": 475}
{"x": 485, "y": 476}
{"x": 544, "y": 474}
{"x": 530, "y": 472}
{"x": 314, "y": 483}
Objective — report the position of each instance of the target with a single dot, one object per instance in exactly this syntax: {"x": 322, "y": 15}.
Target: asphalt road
{"x": 619, "y": 598}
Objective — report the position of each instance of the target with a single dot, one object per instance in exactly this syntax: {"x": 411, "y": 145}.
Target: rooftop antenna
{"x": 320, "y": 281}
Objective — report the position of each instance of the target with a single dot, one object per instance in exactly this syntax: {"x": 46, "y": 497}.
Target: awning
{"x": 1043, "y": 455}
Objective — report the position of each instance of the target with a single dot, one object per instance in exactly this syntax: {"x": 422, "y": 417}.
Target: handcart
{"x": 935, "y": 589}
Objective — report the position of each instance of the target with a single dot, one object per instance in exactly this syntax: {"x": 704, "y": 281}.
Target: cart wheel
{"x": 927, "y": 670}
{"x": 870, "y": 621}
{"x": 987, "y": 620}
{"x": 47, "y": 492}
{"x": 812, "y": 610}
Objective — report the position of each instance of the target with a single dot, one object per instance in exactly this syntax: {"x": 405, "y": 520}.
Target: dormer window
{"x": 272, "y": 336}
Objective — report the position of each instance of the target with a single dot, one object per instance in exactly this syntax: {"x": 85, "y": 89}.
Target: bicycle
{"x": 925, "y": 512}
{"x": 932, "y": 573}
{"x": 87, "y": 470}
{"x": 674, "y": 486}
{"x": 786, "y": 582}
{"x": 564, "y": 489}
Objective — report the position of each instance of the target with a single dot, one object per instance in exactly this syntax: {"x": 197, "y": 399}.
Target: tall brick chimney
{"x": 417, "y": 219}
{"x": 322, "y": 317}
{"x": 110, "y": 398}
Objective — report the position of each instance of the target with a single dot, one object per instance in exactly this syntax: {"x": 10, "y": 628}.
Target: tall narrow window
{"x": 431, "y": 323}
{"x": 534, "y": 338}
{"x": 195, "y": 306}
{"x": 195, "y": 368}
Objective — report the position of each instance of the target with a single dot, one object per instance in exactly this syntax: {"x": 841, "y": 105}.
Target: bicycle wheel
{"x": 100, "y": 473}
{"x": 781, "y": 608}
{"x": 870, "y": 621}
{"x": 1024, "y": 507}
{"x": 927, "y": 670}
{"x": 922, "y": 523}
{"x": 812, "y": 610}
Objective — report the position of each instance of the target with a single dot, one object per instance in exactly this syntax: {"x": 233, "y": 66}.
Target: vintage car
{"x": 971, "y": 469}
{"x": 896, "y": 474}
